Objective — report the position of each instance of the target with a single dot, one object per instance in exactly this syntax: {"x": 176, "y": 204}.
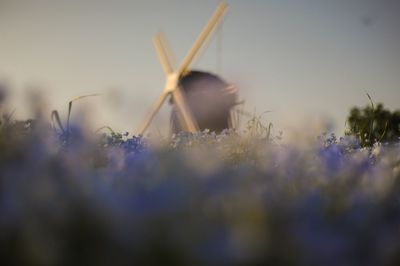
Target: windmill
{"x": 194, "y": 94}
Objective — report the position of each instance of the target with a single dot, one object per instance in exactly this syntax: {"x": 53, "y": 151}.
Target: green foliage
{"x": 374, "y": 124}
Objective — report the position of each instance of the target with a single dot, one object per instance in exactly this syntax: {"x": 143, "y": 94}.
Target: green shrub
{"x": 374, "y": 124}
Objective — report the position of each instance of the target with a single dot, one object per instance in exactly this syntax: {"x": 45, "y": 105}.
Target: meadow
{"x": 73, "y": 197}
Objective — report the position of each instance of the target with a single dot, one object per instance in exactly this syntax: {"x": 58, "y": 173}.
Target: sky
{"x": 301, "y": 63}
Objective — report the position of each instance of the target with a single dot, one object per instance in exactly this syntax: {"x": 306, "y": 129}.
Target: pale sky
{"x": 302, "y": 60}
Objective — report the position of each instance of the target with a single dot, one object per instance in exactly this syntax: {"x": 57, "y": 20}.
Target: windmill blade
{"x": 231, "y": 89}
{"x": 154, "y": 111}
{"x": 211, "y": 25}
{"x": 162, "y": 53}
{"x": 167, "y": 49}
{"x": 184, "y": 111}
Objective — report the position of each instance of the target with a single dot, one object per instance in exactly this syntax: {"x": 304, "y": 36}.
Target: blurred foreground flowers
{"x": 202, "y": 199}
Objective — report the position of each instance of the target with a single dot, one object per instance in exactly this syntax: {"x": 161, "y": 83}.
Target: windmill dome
{"x": 209, "y": 99}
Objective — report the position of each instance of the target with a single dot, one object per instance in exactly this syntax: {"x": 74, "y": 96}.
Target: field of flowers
{"x": 73, "y": 198}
